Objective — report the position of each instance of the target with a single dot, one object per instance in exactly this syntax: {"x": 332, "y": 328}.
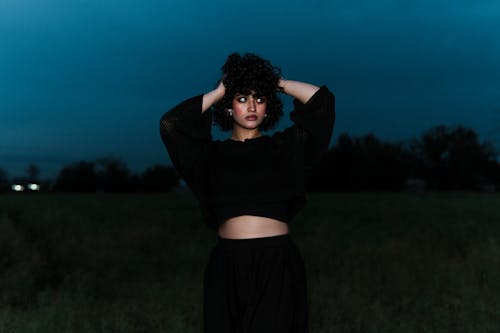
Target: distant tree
{"x": 113, "y": 175}
{"x": 77, "y": 177}
{"x": 159, "y": 178}
{"x": 363, "y": 163}
{"x": 135, "y": 182}
{"x": 3, "y": 180}
{"x": 453, "y": 158}
{"x": 33, "y": 172}
{"x": 3, "y": 176}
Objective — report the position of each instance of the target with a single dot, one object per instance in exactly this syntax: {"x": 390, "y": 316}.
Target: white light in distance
{"x": 17, "y": 188}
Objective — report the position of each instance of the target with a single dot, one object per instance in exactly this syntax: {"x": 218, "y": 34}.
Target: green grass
{"x": 376, "y": 262}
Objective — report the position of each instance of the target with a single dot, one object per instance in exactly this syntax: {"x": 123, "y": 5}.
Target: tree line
{"x": 108, "y": 174}
{"x": 444, "y": 158}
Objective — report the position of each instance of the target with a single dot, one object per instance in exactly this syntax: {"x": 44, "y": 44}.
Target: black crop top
{"x": 231, "y": 178}
{"x": 276, "y": 210}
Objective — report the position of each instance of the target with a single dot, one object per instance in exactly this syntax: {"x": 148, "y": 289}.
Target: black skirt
{"x": 255, "y": 285}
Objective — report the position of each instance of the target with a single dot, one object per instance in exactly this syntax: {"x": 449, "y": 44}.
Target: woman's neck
{"x": 243, "y": 135}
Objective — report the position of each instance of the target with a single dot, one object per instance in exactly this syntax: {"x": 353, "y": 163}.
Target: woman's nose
{"x": 251, "y": 104}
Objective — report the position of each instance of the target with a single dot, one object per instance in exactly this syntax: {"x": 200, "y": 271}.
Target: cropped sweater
{"x": 265, "y": 175}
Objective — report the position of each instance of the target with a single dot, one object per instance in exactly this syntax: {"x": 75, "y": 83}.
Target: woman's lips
{"x": 251, "y": 118}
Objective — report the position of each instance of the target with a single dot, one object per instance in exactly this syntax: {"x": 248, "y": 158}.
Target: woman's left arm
{"x": 299, "y": 90}
{"x": 313, "y": 117}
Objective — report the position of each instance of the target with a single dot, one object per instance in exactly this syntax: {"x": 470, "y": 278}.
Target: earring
{"x": 230, "y": 111}
{"x": 265, "y": 115}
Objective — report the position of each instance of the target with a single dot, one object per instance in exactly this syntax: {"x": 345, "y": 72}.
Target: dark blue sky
{"x": 83, "y": 79}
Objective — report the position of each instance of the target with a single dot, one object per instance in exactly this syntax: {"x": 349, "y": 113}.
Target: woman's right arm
{"x": 186, "y": 133}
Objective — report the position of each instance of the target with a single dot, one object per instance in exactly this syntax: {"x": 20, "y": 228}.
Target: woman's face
{"x": 249, "y": 110}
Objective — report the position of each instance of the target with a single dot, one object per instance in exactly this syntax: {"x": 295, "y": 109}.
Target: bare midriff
{"x": 249, "y": 226}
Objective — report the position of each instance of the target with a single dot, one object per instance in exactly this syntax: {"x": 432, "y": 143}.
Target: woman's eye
{"x": 261, "y": 100}
{"x": 242, "y": 99}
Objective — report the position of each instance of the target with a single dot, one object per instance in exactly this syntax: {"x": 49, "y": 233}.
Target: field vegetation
{"x": 376, "y": 262}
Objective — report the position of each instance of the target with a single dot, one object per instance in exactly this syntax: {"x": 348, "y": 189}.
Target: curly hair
{"x": 243, "y": 74}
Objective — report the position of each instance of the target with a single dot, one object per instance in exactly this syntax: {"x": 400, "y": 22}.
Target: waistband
{"x": 259, "y": 242}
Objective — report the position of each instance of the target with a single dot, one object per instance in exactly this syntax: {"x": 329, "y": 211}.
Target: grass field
{"x": 376, "y": 262}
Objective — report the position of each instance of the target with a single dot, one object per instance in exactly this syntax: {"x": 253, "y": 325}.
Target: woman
{"x": 249, "y": 188}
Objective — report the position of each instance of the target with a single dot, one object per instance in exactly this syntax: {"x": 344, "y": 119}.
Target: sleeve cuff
{"x": 188, "y": 119}
{"x": 314, "y": 102}
{"x": 318, "y": 109}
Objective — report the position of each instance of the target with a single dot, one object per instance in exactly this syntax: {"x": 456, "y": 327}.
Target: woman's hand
{"x": 220, "y": 91}
{"x": 281, "y": 85}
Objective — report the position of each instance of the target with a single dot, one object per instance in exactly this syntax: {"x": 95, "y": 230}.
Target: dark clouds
{"x": 82, "y": 79}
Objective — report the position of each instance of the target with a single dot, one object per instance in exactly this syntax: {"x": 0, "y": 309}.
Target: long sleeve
{"x": 186, "y": 133}
{"x": 312, "y": 129}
